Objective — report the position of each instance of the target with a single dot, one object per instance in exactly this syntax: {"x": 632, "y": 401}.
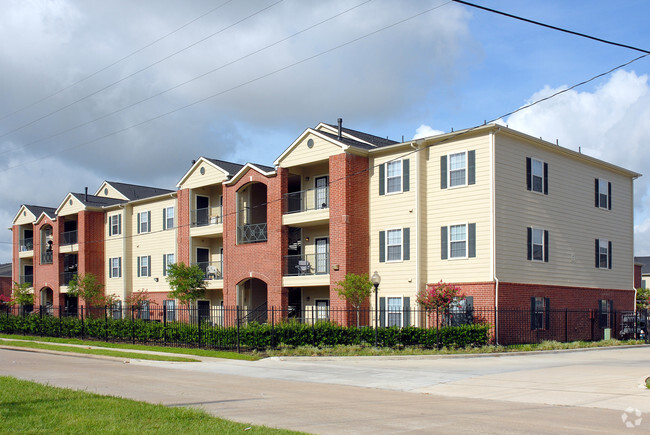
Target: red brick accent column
{"x": 15, "y": 249}
{"x": 46, "y": 275}
{"x": 184, "y": 219}
{"x": 349, "y": 224}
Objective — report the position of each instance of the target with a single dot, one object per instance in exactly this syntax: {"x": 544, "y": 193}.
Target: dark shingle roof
{"x": 646, "y": 264}
{"x": 96, "y": 201}
{"x": 5, "y": 269}
{"x": 38, "y": 209}
{"x": 348, "y": 141}
{"x": 231, "y": 168}
{"x": 264, "y": 167}
{"x": 134, "y": 192}
{"x": 375, "y": 140}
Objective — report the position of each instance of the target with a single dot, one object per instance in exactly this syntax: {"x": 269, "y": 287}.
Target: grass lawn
{"x": 29, "y": 407}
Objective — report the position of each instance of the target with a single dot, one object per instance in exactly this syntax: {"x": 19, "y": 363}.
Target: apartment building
{"x": 515, "y": 221}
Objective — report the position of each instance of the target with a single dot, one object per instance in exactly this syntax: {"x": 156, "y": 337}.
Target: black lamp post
{"x": 376, "y": 279}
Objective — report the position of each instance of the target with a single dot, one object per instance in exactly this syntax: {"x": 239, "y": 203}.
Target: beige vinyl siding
{"x": 458, "y": 205}
{"x": 24, "y": 217}
{"x": 212, "y": 175}
{"x": 108, "y": 191}
{"x": 318, "y": 232}
{"x": 568, "y": 212}
{"x": 213, "y": 244}
{"x": 388, "y": 212}
{"x": 301, "y": 154}
{"x": 68, "y": 208}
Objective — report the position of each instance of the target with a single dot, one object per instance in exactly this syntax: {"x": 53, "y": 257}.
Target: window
{"x": 116, "y": 310}
{"x": 605, "y": 313}
{"x": 168, "y": 218}
{"x": 536, "y": 175}
{"x": 457, "y": 169}
{"x": 322, "y": 309}
{"x": 170, "y": 309}
{"x": 144, "y": 266}
{"x": 167, "y": 260}
{"x": 603, "y": 254}
{"x": 394, "y": 245}
{"x": 115, "y": 267}
{"x": 144, "y": 222}
{"x": 458, "y": 241}
{"x": 461, "y": 312}
{"x": 394, "y": 176}
{"x": 394, "y": 312}
{"x": 603, "y": 194}
{"x": 144, "y": 310}
{"x": 539, "y": 313}
{"x": 538, "y": 245}
{"x": 115, "y": 225}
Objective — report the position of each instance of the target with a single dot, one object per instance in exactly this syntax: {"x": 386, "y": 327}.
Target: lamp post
{"x": 376, "y": 279}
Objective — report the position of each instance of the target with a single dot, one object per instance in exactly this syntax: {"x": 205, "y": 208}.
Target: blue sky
{"x": 451, "y": 67}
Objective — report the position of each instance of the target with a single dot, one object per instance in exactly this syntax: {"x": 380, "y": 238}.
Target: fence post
{"x": 59, "y": 332}
{"x": 566, "y": 325}
{"x": 106, "y": 322}
{"x": 40, "y": 315}
{"x": 132, "y": 325}
{"x": 238, "y": 343}
{"x": 82, "y": 323}
{"x": 164, "y": 323}
{"x": 313, "y": 330}
{"x": 273, "y": 327}
{"x": 198, "y": 318}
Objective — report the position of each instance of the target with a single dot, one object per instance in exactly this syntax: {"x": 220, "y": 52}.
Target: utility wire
{"x": 548, "y": 26}
{"x": 47, "y": 115}
{"x": 114, "y": 63}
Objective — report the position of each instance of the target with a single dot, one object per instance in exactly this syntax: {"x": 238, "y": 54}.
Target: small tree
{"x": 642, "y": 298}
{"x": 439, "y": 297}
{"x": 356, "y": 289}
{"x": 187, "y": 282}
{"x": 90, "y": 289}
{"x": 21, "y": 294}
{"x": 138, "y": 299}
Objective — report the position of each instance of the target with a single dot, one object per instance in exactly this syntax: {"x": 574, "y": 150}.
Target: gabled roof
{"x": 264, "y": 170}
{"x": 358, "y": 136}
{"x": 89, "y": 201}
{"x": 36, "y": 210}
{"x": 227, "y": 168}
{"x": 134, "y": 192}
{"x": 646, "y": 264}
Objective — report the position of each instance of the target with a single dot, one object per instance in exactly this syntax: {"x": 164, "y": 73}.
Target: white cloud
{"x": 609, "y": 123}
{"x": 425, "y": 131}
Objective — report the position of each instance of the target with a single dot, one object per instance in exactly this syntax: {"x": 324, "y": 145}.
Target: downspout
{"x": 418, "y": 260}
{"x": 124, "y": 260}
{"x": 493, "y": 235}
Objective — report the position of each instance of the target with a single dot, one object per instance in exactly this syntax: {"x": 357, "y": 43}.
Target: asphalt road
{"x": 568, "y": 392}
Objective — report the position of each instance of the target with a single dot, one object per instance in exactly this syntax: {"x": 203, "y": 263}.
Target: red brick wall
{"x": 349, "y": 221}
{"x": 5, "y": 286}
{"x": 183, "y": 237}
{"x": 46, "y": 275}
{"x": 15, "y": 236}
{"x": 90, "y": 230}
{"x": 637, "y": 275}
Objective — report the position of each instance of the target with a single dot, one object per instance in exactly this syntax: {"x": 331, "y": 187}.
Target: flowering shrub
{"x": 436, "y": 297}
{"x": 4, "y": 299}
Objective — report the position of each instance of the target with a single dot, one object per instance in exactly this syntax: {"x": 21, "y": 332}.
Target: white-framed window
{"x": 170, "y": 309}
{"x": 538, "y": 245}
{"x": 115, "y": 225}
{"x": 144, "y": 266}
{"x": 322, "y": 309}
{"x": 168, "y": 218}
{"x": 603, "y": 254}
{"x": 167, "y": 260}
{"x": 394, "y": 245}
{"x": 115, "y": 267}
{"x": 144, "y": 310}
{"x": 394, "y": 311}
{"x": 144, "y": 222}
{"x": 458, "y": 169}
{"x": 394, "y": 176}
{"x": 603, "y": 194}
{"x": 537, "y": 176}
{"x": 458, "y": 241}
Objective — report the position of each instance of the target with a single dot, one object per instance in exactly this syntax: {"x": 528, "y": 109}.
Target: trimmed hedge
{"x": 251, "y": 336}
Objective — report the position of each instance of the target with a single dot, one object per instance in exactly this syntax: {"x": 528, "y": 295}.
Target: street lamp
{"x": 376, "y": 279}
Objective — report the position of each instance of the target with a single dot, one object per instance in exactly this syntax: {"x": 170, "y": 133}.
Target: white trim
{"x": 600, "y": 246}
{"x": 532, "y": 175}
{"x": 401, "y": 176}
{"x": 532, "y": 245}
{"x": 198, "y": 162}
{"x": 449, "y": 186}
{"x": 466, "y": 225}
{"x": 401, "y": 257}
{"x": 401, "y": 310}
{"x": 243, "y": 170}
{"x": 319, "y": 134}
{"x": 606, "y": 207}
{"x": 105, "y": 183}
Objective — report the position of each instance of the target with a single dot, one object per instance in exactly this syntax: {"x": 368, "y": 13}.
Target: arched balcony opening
{"x": 251, "y": 213}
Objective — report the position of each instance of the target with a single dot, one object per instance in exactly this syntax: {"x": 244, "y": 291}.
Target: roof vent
{"x": 193, "y": 162}
{"x": 340, "y": 120}
{"x": 86, "y": 194}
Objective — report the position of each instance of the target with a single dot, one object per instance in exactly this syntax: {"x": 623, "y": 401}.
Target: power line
{"x": 114, "y": 63}
{"x": 548, "y": 26}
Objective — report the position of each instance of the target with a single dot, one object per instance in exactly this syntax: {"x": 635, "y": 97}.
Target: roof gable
{"x": 127, "y": 191}
{"x": 205, "y": 172}
{"x": 264, "y": 170}
{"x": 109, "y": 191}
{"x": 301, "y": 151}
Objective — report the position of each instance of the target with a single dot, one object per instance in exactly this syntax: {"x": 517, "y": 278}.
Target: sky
{"x": 134, "y": 91}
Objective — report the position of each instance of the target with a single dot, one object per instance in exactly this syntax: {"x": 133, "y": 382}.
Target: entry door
{"x": 202, "y": 210}
{"x": 204, "y": 310}
{"x": 322, "y": 255}
{"x": 322, "y": 194}
{"x": 203, "y": 258}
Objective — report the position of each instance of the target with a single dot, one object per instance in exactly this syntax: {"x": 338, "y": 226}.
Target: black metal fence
{"x": 235, "y": 328}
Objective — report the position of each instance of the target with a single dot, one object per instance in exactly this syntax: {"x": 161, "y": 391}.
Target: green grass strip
{"x": 165, "y": 349}
{"x": 105, "y": 352}
{"x": 28, "y": 407}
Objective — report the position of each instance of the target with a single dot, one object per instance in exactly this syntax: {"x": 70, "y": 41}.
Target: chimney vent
{"x": 86, "y": 194}
{"x": 340, "y": 128}
{"x": 193, "y": 162}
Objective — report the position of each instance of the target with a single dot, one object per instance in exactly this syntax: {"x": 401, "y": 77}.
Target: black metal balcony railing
{"x": 27, "y": 244}
{"x": 211, "y": 269}
{"x": 66, "y": 277}
{"x": 47, "y": 257}
{"x": 69, "y": 237}
{"x": 201, "y": 217}
{"x": 251, "y": 233}
{"x": 309, "y": 264}
{"x": 26, "y": 279}
{"x": 304, "y": 200}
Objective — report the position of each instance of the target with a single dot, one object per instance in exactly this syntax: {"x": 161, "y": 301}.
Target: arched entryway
{"x": 252, "y": 296}
{"x": 47, "y": 300}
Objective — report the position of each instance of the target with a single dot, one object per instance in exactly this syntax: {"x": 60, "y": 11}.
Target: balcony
{"x": 69, "y": 238}
{"x": 308, "y": 207}
{"x": 202, "y": 217}
{"x": 66, "y": 277}
{"x": 26, "y": 279}
{"x": 251, "y": 233}
{"x": 47, "y": 257}
{"x": 212, "y": 271}
{"x": 306, "y": 269}
{"x": 26, "y": 244}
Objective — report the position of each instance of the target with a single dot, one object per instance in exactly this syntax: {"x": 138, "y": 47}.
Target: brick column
{"x": 184, "y": 219}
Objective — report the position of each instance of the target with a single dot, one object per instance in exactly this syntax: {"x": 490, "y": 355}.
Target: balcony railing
{"x": 26, "y": 279}
{"x": 66, "y": 277}
{"x": 27, "y": 244}
{"x": 201, "y": 217}
{"x": 251, "y": 233}
{"x": 312, "y": 199}
{"x": 69, "y": 237}
{"x": 47, "y": 257}
{"x": 310, "y": 264}
{"x": 211, "y": 269}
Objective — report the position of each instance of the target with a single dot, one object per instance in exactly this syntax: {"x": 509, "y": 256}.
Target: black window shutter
{"x": 443, "y": 243}
{"x": 110, "y": 268}
{"x": 547, "y": 309}
{"x": 443, "y": 172}
{"x": 405, "y": 175}
{"x": 546, "y": 246}
{"x": 119, "y": 267}
{"x": 110, "y": 225}
{"x": 382, "y": 312}
{"x": 138, "y": 223}
{"x": 610, "y": 308}
{"x": 382, "y": 246}
{"x": 164, "y": 219}
{"x": 406, "y": 239}
{"x": 545, "y": 178}
{"x": 597, "y": 194}
{"x": 609, "y": 255}
{"x": 528, "y": 173}
{"x": 164, "y": 264}
{"x": 471, "y": 167}
{"x": 138, "y": 264}
{"x": 530, "y": 243}
{"x": 597, "y": 253}
{"x": 119, "y": 224}
{"x": 382, "y": 178}
{"x": 149, "y": 265}
{"x": 407, "y": 312}
{"x": 533, "y": 317}
{"x": 471, "y": 240}
{"x": 609, "y": 196}
{"x": 148, "y": 221}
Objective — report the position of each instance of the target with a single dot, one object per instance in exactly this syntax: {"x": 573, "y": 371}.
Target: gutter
{"x": 418, "y": 258}
{"x": 493, "y": 247}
